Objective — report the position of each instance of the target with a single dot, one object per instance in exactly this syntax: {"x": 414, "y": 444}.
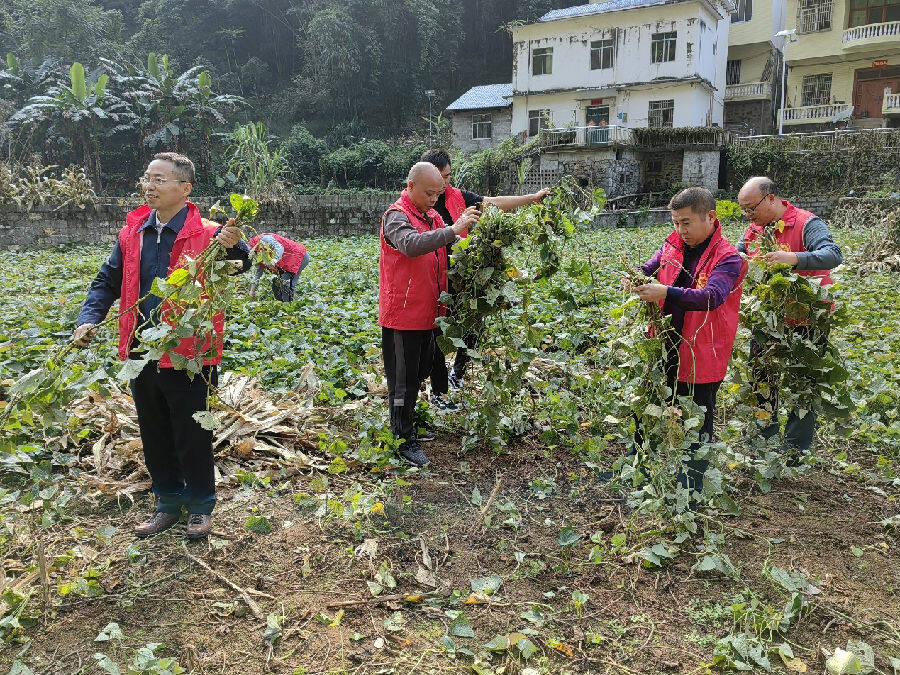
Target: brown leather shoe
{"x": 199, "y": 525}
{"x": 157, "y": 523}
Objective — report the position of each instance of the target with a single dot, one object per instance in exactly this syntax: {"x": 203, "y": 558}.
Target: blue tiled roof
{"x": 597, "y": 8}
{"x": 484, "y": 96}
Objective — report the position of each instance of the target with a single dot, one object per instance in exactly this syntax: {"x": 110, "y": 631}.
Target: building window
{"x": 744, "y": 11}
{"x": 662, "y": 113}
{"x": 816, "y": 89}
{"x": 733, "y": 72}
{"x": 662, "y": 48}
{"x": 602, "y": 54}
{"x": 542, "y": 61}
{"x": 814, "y": 15}
{"x": 537, "y": 120}
{"x": 482, "y": 127}
{"x": 864, "y": 12}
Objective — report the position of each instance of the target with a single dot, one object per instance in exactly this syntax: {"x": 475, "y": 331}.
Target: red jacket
{"x": 456, "y": 205}
{"x": 707, "y": 337}
{"x": 790, "y": 239}
{"x": 294, "y": 252}
{"x": 409, "y": 288}
{"x": 193, "y": 238}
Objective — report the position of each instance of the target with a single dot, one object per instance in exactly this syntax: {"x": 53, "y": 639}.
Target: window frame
{"x": 542, "y": 117}
{"x": 659, "y": 113}
{"x": 813, "y": 84}
{"x": 479, "y": 124}
{"x": 744, "y": 11}
{"x": 732, "y": 71}
{"x": 546, "y": 61}
{"x": 601, "y": 48}
{"x": 814, "y": 16}
{"x": 664, "y": 45}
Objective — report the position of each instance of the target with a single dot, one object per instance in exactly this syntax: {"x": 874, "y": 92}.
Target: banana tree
{"x": 74, "y": 112}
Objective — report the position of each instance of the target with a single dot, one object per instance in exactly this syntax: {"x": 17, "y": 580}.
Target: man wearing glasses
{"x": 177, "y": 450}
{"x": 806, "y": 244}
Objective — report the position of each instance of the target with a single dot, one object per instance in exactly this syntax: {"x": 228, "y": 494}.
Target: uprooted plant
{"x": 193, "y": 295}
{"x": 494, "y": 272}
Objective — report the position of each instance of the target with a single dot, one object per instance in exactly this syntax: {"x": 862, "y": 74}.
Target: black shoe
{"x": 442, "y": 402}
{"x": 412, "y": 452}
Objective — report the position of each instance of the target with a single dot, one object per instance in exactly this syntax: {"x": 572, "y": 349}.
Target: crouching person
{"x": 699, "y": 276}
{"x": 285, "y": 258}
{"x": 156, "y": 237}
{"x": 412, "y": 276}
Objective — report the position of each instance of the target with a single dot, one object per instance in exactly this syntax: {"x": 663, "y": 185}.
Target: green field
{"x": 586, "y": 582}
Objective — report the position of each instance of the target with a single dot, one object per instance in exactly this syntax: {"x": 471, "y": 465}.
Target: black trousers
{"x": 440, "y": 384}
{"x": 798, "y": 431}
{"x": 408, "y": 356}
{"x": 177, "y": 450}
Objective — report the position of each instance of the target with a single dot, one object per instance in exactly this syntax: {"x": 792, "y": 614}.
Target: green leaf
{"x": 110, "y": 632}
{"x": 258, "y": 524}
{"x": 461, "y": 628}
{"x": 76, "y": 76}
{"x": 526, "y": 647}
{"x": 487, "y": 585}
{"x": 207, "y": 419}
{"x": 567, "y": 537}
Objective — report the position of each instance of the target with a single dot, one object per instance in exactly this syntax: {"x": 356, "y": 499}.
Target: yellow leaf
{"x": 413, "y": 599}
{"x": 794, "y": 664}
{"x": 377, "y": 508}
{"x": 734, "y": 388}
{"x": 563, "y": 648}
{"x": 779, "y": 226}
{"x": 477, "y": 598}
{"x": 336, "y": 621}
{"x": 763, "y": 415}
{"x": 513, "y": 273}
{"x": 178, "y": 277}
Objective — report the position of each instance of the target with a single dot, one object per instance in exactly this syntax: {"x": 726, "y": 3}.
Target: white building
{"x": 621, "y": 64}
{"x": 482, "y": 117}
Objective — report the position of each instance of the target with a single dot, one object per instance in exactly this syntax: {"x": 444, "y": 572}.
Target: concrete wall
{"x": 501, "y": 119}
{"x": 767, "y": 18}
{"x": 309, "y": 216}
{"x": 701, "y": 167}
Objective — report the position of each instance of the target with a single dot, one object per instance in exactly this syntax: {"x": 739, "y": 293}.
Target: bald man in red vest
{"x": 412, "y": 276}
{"x": 450, "y": 205}
{"x": 699, "y": 276}
{"x": 807, "y": 245}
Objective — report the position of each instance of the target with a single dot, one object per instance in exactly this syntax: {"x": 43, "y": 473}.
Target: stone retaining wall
{"x": 308, "y": 216}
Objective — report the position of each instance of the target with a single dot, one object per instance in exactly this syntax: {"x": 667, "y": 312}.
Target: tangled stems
{"x": 491, "y": 301}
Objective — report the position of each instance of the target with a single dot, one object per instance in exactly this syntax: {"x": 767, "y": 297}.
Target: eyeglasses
{"x": 753, "y": 208}
{"x": 159, "y": 181}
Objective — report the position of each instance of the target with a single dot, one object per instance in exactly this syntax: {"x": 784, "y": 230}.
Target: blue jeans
{"x": 284, "y": 284}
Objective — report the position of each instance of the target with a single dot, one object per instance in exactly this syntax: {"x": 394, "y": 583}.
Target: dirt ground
{"x": 310, "y": 576}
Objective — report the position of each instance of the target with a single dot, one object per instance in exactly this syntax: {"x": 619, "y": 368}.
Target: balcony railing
{"x": 861, "y": 35}
{"x": 838, "y": 140}
{"x": 813, "y": 114}
{"x": 748, "y": 90}
{"x": 891, "y": 105}
{"x": 593, "y": 135}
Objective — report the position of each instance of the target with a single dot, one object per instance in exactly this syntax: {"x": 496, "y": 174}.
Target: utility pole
{"x": 430, "y": 94}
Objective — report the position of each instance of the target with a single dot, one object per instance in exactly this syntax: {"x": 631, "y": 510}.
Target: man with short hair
{"x": 806, "y": 244}
{"x": 156, "y": 239}
{"x": 412, "y": 276}
{"x": 699, "y": 276}
{"x": 284, "y": 257}
{"x": 450, "y": 205}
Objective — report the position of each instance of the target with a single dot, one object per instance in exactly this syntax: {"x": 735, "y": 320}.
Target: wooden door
{"x": 869, "y": 96}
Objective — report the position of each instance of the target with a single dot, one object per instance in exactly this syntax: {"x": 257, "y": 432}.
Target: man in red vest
{"x": 807, "y": 245}
{"x": 412, "y": 275}
{"x": 155, "y": 240}
{"x": 699, "y": 274}
{"x": 451, "y": 205}
{"x": 285, "y": 258}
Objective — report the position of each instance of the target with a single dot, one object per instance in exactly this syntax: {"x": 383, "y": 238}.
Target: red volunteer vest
{"x": 409, "y": 288}
{"x": 456, "y": 204}
{"x": 193, "y": 238}
{"x": 708, "y": 336}
{"x": 791, "y": 239}
{"x": 294, "y": 252}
